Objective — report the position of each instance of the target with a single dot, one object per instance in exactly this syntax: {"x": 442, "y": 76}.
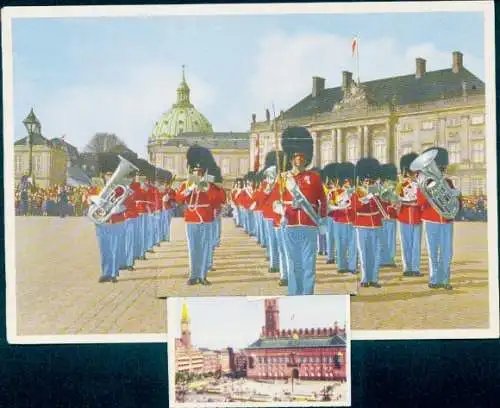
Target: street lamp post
{"x": 31, "y": 123}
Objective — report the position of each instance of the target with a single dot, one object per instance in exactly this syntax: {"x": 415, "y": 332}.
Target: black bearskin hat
{"x": 271, "y": 159}
{"x": 442, "y": 158}
{"x": 367, "y": 168}
{"x": 345, "y": 171}
{"x": 405, "y": 161}
{"x": 388, "y": 172}
{"x": 297, "y": 140}
{"x": 329, "y": 172}
{"x": 199, "y": 157}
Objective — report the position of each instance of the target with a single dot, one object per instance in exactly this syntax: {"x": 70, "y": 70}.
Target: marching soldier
{"x": 367, "y": 223}
{"x": 272, "y": 219}
{"x": 199, "y": 195}
{"x": 169, "y": 206}
{"x": 438, "y": 230}
{"x": 219, "y": 198}
{"x": 132, "y": 229}
{"x": 303, "y": 198}
{"x": 330, "y": 174}
{"x": 409, "y": 217}
{"x": 388, "y": 178}
{"x": 344, "y": 235}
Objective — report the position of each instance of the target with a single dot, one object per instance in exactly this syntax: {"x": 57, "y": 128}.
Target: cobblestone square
{"x": 57, "y": 289}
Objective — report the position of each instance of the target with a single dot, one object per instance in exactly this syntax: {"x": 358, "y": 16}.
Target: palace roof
{"x": 402, "y": 90}
{"x": 308, "y": 342}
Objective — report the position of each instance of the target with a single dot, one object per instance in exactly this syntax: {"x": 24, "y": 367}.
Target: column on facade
{"x": 333, "y": 139}
{"x": 366, "y": 142}
{"x": 253, "y": 139}
{"x": 388, "y": 141}
{"x": 361, "y": 143}
{"x": 316, "y": 160}
{"x": 340, "y": 146}
{"x": 442, "y": 133}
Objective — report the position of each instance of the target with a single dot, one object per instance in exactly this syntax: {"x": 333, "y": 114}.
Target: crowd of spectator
{"x": 58, "y": 200}
{"x": 473, "y": 209}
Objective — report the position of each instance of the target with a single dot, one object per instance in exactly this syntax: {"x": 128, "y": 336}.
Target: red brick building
{"x": 308, "y": 354}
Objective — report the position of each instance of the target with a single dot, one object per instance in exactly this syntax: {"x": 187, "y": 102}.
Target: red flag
{"x": 256, "y": 163}
{"x": 354, "y": 45}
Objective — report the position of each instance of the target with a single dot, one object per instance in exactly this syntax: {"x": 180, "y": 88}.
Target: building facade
{"x": 198, "y": 360}
{"x": 390, "y": 117}
{"x": 183, "y": 126}
{"x": 308, "y": 354}
{"x": 49, "y": 161}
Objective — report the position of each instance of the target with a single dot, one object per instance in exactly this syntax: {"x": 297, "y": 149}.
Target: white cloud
{"x": 128, "y": 106}
{"x": 285, "y": 65}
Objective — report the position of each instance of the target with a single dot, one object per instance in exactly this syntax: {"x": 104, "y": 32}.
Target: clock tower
{"x": 272, "y": 316}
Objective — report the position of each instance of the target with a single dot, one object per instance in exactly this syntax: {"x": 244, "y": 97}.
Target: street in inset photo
{"x": 259, "y": 351}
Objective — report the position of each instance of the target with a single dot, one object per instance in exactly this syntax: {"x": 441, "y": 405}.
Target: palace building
{"x": 387, "y": 118}
{"x": 49, "y": 160}
{"x": 184, "y": 126}
{"x": 307, "y": 354}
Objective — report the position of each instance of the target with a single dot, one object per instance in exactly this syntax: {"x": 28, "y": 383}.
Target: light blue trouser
{"x": 322, "y": 243}
{"x": 244, "y": 219}
{"x": 149, "y": 231}
{"x": 388, "y": 242}
{"x": 264, "y": 236}
{"x": 301, "y": 244}
{"x": 139, "y": 238}
{"x": 251, "y": 222}
{"x": 170, "y": 215}
{"x": 198, "y": 237}
{"x": 330, "y": 240}
{"x": 157, "y": 227}
{"x": 104, "y": 234}
{"x": 284, "y": 258}
{"x": 121, "y": 245}
{"x": 272, "y": 247}
{"x": 411, "y": 238}
{"x": 439, "y": 238}
{"x": 368, "y": 243}
{"x": 345, "y": 246}
{"x": 211, "y": 244}
{"x": 130, "y": 227}
{"x": 257, "y": 226}
{"x": 238, "y": 217}
{"x": 219, "y": 230}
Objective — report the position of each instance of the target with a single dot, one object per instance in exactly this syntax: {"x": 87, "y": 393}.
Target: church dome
{"x": 181, "y": 118}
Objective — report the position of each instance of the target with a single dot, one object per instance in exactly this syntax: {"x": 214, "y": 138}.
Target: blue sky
{"x": 219, "y": 322}
{"x": 86, "y": 75}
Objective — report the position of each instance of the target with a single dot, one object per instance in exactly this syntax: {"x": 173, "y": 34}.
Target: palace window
{"x": 476, "y": 133}
{"x": 226, "y": 166}
{"x": 478, "y": 186}
{"x": 243, "y": 166}
{"x": 454, "y": 152}
{"x": 478, "y": 152}
{"x": 352, "y": 151}
{"x": 453, "y": 122}
{"x": 477, "y": 119}
{"x": 37, "y": 165}
{"x": 168, "y": 163}
{"x": 405, "y": 127}
{"x": 19, "y": 164}
{"x": 379, "y": 150}
{"x": 427, "y": 125}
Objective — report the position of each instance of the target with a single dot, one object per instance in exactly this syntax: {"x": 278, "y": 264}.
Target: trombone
{"x": 372, "y": 192}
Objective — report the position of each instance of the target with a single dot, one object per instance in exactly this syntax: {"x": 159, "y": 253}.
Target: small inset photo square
{"x": 269, "y": 351}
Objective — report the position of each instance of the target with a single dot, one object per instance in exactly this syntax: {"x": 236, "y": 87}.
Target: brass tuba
{"x": 433, "y": 185}
{"x": 111, "y": 198}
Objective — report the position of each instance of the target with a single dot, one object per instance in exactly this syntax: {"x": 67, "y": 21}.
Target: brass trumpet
{"x": 373, "y": 192}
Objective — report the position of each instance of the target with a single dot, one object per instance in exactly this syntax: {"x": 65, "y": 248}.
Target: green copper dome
{"x": 182, "y": 118}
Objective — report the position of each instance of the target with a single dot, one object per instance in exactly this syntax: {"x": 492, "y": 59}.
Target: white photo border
{"x": 10, "y": 13}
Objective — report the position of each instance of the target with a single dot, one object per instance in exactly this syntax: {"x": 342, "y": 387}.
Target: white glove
{"x": 366, "y": 198}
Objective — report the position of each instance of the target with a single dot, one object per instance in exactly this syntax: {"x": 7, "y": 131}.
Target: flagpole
{"x": 357, "y": 57}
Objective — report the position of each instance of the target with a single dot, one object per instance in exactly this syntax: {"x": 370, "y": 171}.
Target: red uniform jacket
{"x": 345, "y": 216}
{"x": 258, "y": 198}
{"x": 244, "y": 199}
{"x": 311, "y": 186}
{"x": 199, "y": 204}
{"x": 157, "y": 199}
{"x": 130, "y": 205}
{"x": 219, "y": 199}
{"x": 140, "y": 197}
{"x": 428, "y": 212}
{"x": 168, "y": 198}
{"x": 365, "y": 215}
{"x": 269, "y": 199}
{"x": 390, "y": 209}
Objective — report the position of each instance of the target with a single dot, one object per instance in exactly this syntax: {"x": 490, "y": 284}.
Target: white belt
{"x": 191, "y": 207}
{"x": 367, "y": 214}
